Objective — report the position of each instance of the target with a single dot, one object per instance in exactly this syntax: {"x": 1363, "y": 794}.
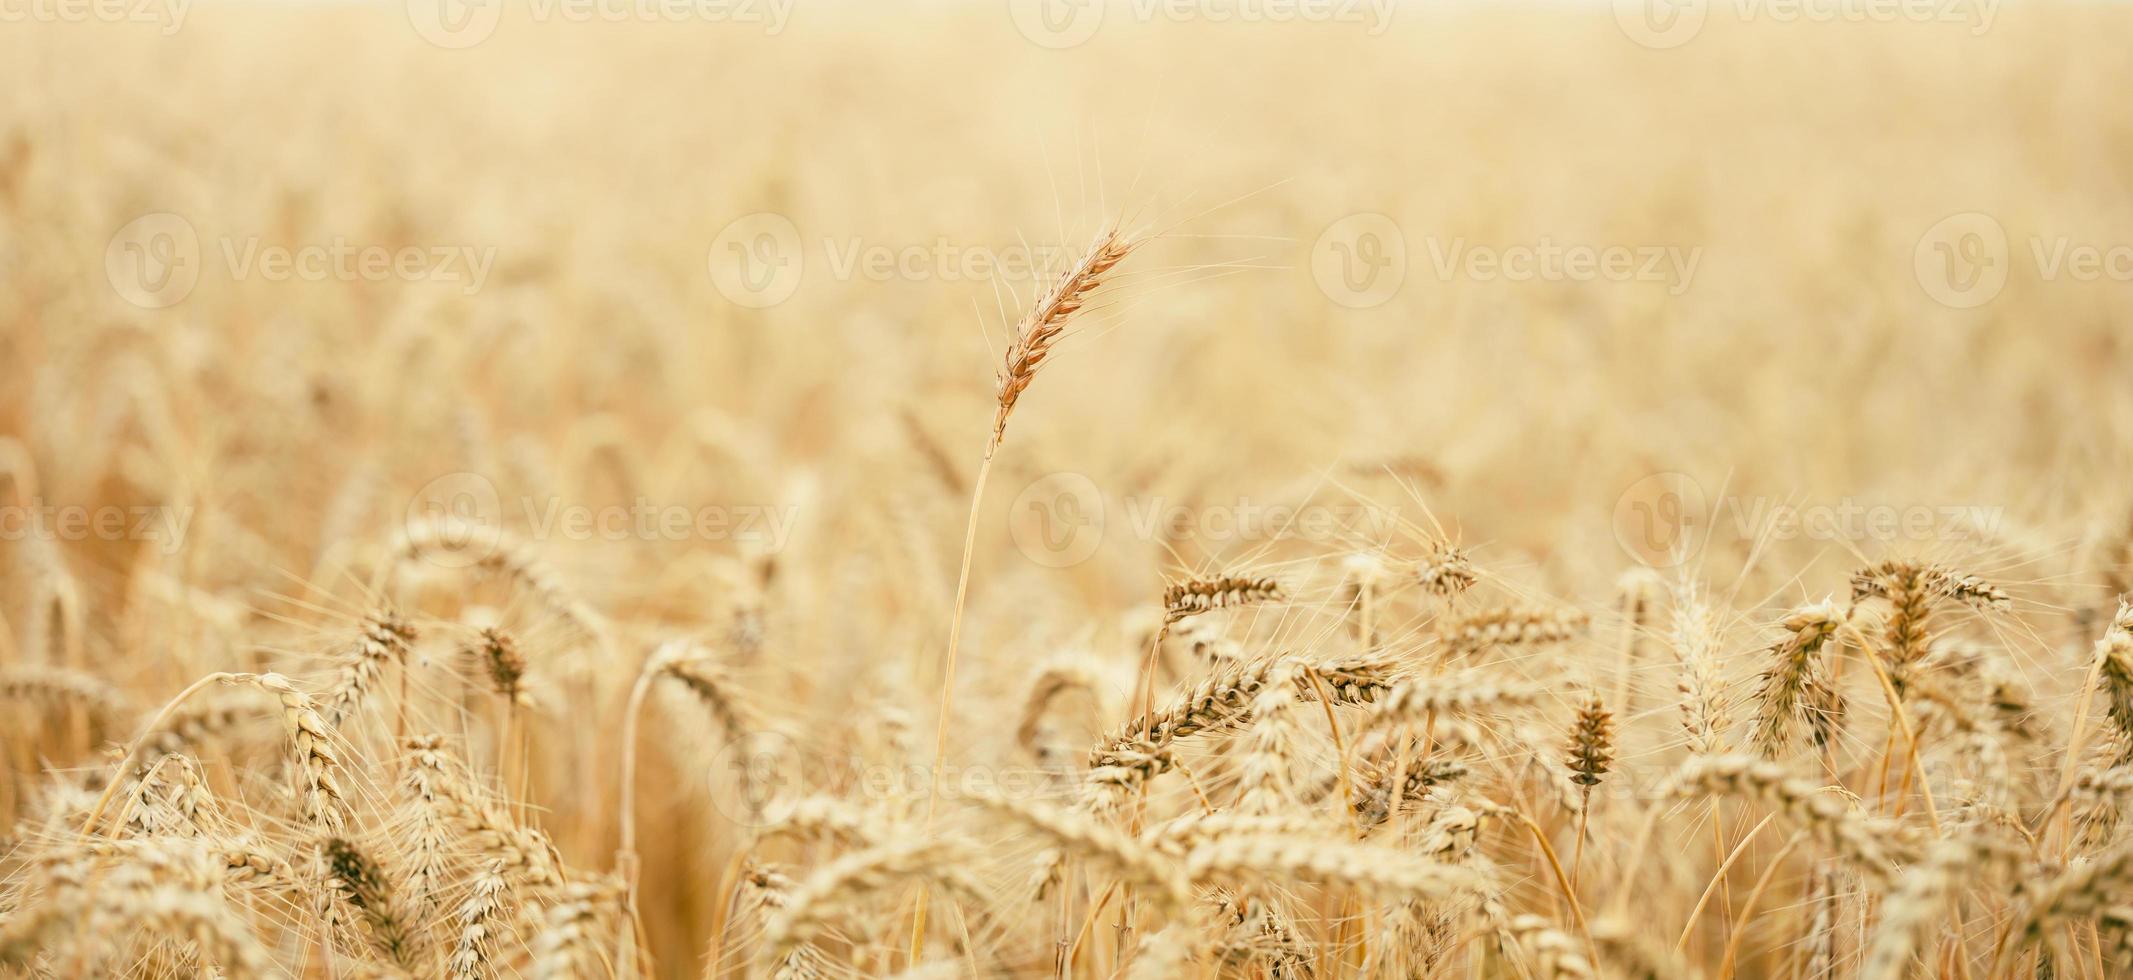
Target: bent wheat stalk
{"x": 1040, "y": 329}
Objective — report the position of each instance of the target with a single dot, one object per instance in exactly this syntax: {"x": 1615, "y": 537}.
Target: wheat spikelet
{"x": 1051, "y": 683}
{"x": 34, "y": 925}
{"x": 1375, "y": 801}
{"x": 1820, "y": 960}
{"x": 310, "y": 740}
{"x": 1909, "y": 591}
{"x": 1703, "y": 697}
{"x": 1183, "y": 600}
{"x": 1080, "y": 836}
{"x": 194, "y": 727}
{"x": 1379, "y": 870}
{"x": 1795, "y": 666}
{"x": 831, "y": 889}
{"x": 1922, "y": 894}
{"x": 1590, "y": 751}
{"x": 2116, "y": 925}
{"x": 2080, "y": 890}
{"x": 384, "y": 640}
{"x": 456, "y": 541}
{"x": 1513, "y": 626}
{"x": 1163, "y": 954}
{"x": 57, "y": 690}
{"x": 1179, "y": 835}
{"x": 476, "y": 918}
{"x": 1445, "y": 571}
{"x": 1637, "y": 590}
{"x": 1136, "y": 751}
{"x": 423, "y": 820}
{"x": 1632, "y": 952}
{"x": 2098, "y": 801}
{"x": 524, "y": 853}
{"x": 1468, "y": 692}
{"x": 1929, "y": 581}
{"x": 1045, "y": 322}
{"x": 1554, "y": 954}
{"x": 572, "y": 929}
{"x": 714, "y": 687}
{"x": 822, "y": 817}
{"x": 2114, "y": 654}
{"x": 1264, "y": 772}
{"x": 504, "y": 663}
{"x": 1254, "y": 930}
{"x": 361, "y": 882}
{"x": 1871, "y": 847}
{"x": 171, "y": 891}
{"x": 769, "y": 890}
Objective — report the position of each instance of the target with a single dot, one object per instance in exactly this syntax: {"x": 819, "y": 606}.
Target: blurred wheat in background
{"x": 794, "y": 489}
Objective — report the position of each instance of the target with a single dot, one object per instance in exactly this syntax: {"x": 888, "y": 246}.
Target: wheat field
{"x": 798, "y": 489}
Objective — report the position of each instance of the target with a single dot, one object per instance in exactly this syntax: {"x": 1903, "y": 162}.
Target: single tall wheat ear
{"x": 1040, "y": 329}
